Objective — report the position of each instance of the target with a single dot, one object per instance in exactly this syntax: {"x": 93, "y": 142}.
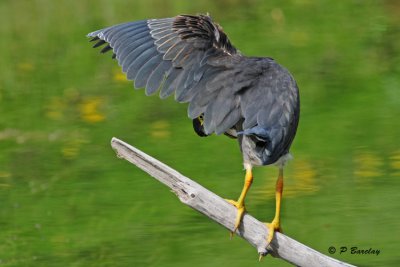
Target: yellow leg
{"x": 240, "y": 203}
{"x": 275, "y": 224}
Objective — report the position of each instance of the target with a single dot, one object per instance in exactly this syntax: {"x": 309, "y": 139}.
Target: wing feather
{"x": 139, "y": 61}
{"x": 157, "y": 76}
{"x": 145, "y": 71}
{"x": 126, "y": 39}
{"x": 131, "y": 55}
{"x": 169, "y": 83}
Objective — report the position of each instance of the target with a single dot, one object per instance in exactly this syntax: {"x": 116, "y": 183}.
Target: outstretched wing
{"x": 187, "y": 55}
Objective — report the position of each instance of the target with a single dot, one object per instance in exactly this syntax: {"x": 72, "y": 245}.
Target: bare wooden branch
{"x": 217, "y": 209}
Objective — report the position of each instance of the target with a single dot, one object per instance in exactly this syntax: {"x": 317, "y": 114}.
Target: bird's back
{"x": 270, "y": 110}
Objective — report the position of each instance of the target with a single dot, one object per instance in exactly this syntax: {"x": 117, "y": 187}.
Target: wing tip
{"x": 92, "y": 34}
{"x": 98, "y": 34}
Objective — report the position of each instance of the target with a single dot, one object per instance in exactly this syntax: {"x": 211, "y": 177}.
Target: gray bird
{"x": 252, "y": 99}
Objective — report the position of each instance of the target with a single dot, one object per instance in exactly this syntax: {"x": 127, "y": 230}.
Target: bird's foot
{"x": 273, "y": 227}
{"x": 241, "y": 209}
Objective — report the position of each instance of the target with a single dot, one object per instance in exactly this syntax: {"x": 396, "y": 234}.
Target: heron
{"x": 252, "y": 99}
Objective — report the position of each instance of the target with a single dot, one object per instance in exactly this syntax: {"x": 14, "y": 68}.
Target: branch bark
{"x": 217, "y": 209}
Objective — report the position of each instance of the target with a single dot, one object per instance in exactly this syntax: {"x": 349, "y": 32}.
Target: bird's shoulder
{"x": 273, "y": 101}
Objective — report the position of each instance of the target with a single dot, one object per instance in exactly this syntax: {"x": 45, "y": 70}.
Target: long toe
{"x": 273, "y": 227}
{"x": 240, "y": 212}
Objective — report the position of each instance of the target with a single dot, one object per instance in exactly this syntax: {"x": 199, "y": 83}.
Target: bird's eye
{"x": 259, "y": 141}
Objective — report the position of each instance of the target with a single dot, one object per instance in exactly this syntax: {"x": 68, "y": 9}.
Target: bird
{"x": 252, "y": 99}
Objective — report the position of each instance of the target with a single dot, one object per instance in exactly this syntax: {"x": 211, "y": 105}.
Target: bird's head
{"x": 258, "y": 147}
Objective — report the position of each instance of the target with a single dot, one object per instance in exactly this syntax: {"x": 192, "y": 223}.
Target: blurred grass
{"x": 67, "y": 200}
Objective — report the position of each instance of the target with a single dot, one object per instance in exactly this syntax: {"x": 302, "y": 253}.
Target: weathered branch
{"x": 217, "y": 209}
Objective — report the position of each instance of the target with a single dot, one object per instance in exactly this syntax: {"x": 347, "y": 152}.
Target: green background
{"x": 66, "y": 200}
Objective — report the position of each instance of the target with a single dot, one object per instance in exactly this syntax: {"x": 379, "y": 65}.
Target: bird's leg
{"x": 275, "y": 224}
{"x": 239, "y": 204}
